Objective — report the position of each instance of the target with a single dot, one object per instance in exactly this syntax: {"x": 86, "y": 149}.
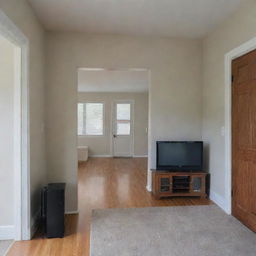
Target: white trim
{"x": 101, "y": 156}
{"x": 219, "y": 200}
{"x": 7, "y": 232}
{"x": 72, "y": 212}
{"x": 140, "y": 156}
{"x": 149, "y": 178}
{"x": 111, "y": 150}
{"x": 112, "y": 69}
{"x": 149, "y": 173}
{"x": 22, "y": 171}
{"x": 17, "y": 139}
{"x": 235, "y": 53}
{"x": 9, "y": 247}
{"x": 149, "y": 188}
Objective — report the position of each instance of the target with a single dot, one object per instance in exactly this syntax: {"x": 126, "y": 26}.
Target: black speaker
{"x": 53, "y": 209}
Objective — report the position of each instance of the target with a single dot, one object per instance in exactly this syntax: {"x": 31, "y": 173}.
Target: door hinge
{"x": 232, "y": 193}
{"x": 232, "y": 78}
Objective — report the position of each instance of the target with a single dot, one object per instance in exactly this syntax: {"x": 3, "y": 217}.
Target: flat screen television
{"x": 179, "y": 155}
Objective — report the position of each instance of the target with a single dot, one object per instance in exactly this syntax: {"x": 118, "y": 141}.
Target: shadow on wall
{"x": 206, "y": 166}
{"x": 206, "y": 157}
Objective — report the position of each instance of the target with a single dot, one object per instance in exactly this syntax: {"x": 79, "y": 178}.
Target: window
{"x": 90, "y": 118}
{"x": 123, "y": 118}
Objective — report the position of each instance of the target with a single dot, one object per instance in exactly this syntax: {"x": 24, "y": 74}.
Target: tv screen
{"x": 180, "y": 155}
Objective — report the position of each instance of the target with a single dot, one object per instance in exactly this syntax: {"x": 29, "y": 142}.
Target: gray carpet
{"x": 4, "y": 246}
{"x": 174, "y": 231}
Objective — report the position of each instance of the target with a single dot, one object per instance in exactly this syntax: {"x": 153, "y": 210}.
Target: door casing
{"x": 22, "y": 215}
{"x": 243, "y": 138}
{"x": 226, "y": 202}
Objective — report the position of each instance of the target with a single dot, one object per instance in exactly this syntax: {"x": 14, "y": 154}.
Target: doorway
{"x": 244, "y": 139}
{"x": 113, "y": 110}
{"x": 112, "y": 126}
{"x": 19, "y": 227}
{"x": 123, "y": 128}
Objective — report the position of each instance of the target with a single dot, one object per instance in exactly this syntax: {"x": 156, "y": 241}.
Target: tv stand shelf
{"x": 167, "y": 184}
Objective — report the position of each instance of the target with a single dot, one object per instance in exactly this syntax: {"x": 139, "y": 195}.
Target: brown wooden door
{"x": 244, "y": 139}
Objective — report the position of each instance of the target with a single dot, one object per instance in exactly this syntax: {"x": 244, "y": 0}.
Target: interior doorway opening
{"x": 113, "y": 110}
{"x": 112, "y": 114}
{"x": 14, "y": 93}
{"x": 10, "y": 137}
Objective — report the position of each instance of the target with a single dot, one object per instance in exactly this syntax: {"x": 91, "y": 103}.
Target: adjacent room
{"x": 128, "y": 127}
{"x": 112, "y": 113}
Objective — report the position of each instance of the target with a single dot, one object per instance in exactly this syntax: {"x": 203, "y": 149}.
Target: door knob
{"x": 114, "y": 136}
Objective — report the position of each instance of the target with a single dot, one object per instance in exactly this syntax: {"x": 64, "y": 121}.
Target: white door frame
{"x": 113, "y": 113}
{"x": 235, "y": 53}
{"x": 21, "y": 128}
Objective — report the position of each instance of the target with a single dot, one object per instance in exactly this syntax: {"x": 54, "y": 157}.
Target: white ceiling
{"x": 101, "y": 80}
{"x": 175, "y": 18}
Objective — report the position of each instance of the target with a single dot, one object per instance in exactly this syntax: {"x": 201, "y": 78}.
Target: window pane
{"x": 123, "y": 111}
{"x": 94, "y": 119}
{"x": 123, "y": 128}
{"x": 80, "y": 118}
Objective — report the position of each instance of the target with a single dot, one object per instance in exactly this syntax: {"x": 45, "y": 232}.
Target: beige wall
{"x": 101, "y": 145}
{"x": 236, "y": 30}
{"x": 6, "y": 132}
{"x": 20, "y": 12}
{"x": 174, "y": 98}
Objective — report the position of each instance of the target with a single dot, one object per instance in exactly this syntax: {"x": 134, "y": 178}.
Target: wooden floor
{"x": 102, "y": 183}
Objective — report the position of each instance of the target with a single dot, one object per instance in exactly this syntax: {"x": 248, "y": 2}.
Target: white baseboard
{"x": 149, "y": 188}
{"x": 219, "y": 200}
{"x": 72, "y": 212}
{"x": 6, "y": 252}
{"x": 140, "y": 156}
{"x": 101, "y": 156}
{"x": 7, "y": 232}
{"x": 35, "y": 221}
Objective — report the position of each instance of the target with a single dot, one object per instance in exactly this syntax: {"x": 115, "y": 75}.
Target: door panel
{"x": 244, "y": 139}
{"x": 123, "y": 129}
{"x": 242, "y": 119}
{"x": 253, "y": 115}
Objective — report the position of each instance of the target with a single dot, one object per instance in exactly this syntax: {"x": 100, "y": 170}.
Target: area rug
{"x": 169, "y": 231}
{"x": 4, "y": 246}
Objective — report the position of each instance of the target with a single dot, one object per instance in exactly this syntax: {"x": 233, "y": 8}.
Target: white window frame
{"x": 103, "y": 120}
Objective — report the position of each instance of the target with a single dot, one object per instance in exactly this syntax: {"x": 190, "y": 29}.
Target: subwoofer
{"x": 53, "y": 210}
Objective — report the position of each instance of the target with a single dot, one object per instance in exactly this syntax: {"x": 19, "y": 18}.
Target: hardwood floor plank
{"x": 102, "y": 183}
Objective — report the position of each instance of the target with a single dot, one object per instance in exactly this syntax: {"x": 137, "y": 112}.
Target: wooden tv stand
{"x": 168, "y": 184}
